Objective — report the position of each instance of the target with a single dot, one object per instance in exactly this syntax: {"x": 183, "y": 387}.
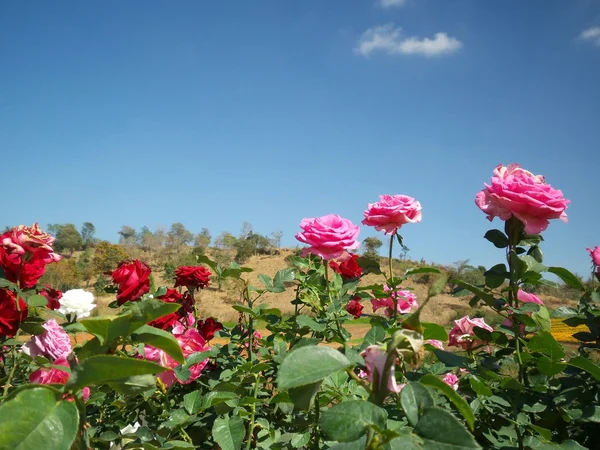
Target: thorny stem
{"x": 316, "y": 430}
{"x": 14, "y": 366}
{"x": 252, "y": 415}
{"x": 337, "y": 322}
{"x": 394, "y": 297}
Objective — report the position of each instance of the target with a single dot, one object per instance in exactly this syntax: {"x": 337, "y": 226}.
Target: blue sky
{"x": 216, "y": 113}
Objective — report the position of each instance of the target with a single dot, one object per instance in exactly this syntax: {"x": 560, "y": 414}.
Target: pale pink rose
{"x": 462, "y": 333}
{"x": 451, "y": 380}
{"x": 525, "y": 297}
{"x": 328, "y": 236}
{"x": 391, "y": 212}
{"x": 56, "y": 376}
{"x": 190, "y": 342}
{"x": 375, "y": 357}
{"x": 407, "y": 301}
{"x": 54, "y": 343}
{"x": 595, "y": 254}
{"x": 435, "y": 343}
{"x": 517, "y": 192}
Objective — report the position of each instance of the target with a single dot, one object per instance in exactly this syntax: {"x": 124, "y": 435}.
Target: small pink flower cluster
{"x": 406, "y": 301}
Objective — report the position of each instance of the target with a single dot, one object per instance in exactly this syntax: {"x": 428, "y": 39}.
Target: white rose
{"x": 77, "y": 302}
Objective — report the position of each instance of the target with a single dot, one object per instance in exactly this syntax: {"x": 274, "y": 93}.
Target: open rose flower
{"x": 391, "y": 212}
{"x": 133, "y": 279}
{"x": 10, "y": 315}
{"x": 170, "y": 320}
{"x": 462, "y": 334}
{"x": 54, "y": 343}
{"x": 192, "y": 277}
{"x": 190, "y": 342}
{"x": 354, "y": 307}
{"x": 407, "y": 301}
{"x": 53, "y": 296}
{"x": 347, "y": 267}
{"x": 54, "y": 375}
{"x": 375, "y": 357}
{"x": 451, "y": 380}
{"x": 77, "y": 302}
{"x": 516, "y": 192}
{"x": 328, "y": 236}
{"x": 595, "y": 254}
{"x": 209, "y": 327}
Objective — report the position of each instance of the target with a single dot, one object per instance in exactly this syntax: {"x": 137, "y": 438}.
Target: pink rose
{"x": 56, "y": 376}
{"x": 435, "y": 343}
{"x": 451, "y": 380}
{"x": 391, "y": 212}
{"x": 595, "y": 254}
{"x": 525, "y": 297}
{"x": 190, "y": 342}
{"x": 462, "y": 333}
{"x": 517, "y": 192}
{"x": 328, "y": 236}
{"x": 405, "y": 298}
{"x": 375, "y": 357}
{"x": 54, "y": 343}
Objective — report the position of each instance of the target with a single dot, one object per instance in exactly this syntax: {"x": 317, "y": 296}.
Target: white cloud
{"x": 387, "y": 38}
{"x": 591, "y": 34}
{"x": 391, "y": 3}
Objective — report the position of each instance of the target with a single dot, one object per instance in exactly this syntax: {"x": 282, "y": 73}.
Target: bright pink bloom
{"x": 524, "y": 297}
{"x": 362, "y": 374}
{"x": 435, "y": 343}
{"x": 595, "y": 254}
{"x": 55, "y": 376}
{"x": 462, "y": 334}
{"x": 391, "y": 212}
{"x": 190, "y": 342}
{"x": 375, "y": 357}
{"x": 407, "y": 300}
{"x": 54, "y": 343}
{"x": 328, "y": 236}
{"x": 517, "y": 192}
{"x": 451, "y": 380}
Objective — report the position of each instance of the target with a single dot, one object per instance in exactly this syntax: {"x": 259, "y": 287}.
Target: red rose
{"x": 167, "y": 322}
{"x": 209, "y": 327}
{"x": 133, "y": 278}
{"x": 10, "y": 317}
{"x": 53, "y": 296}
{"x": 348, "y": 268}
{"x": 192, "y": 277}
{"x": 354, "y": 307}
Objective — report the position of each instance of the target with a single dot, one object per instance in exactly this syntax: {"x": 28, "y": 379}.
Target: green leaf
{"x": 496, "y": 276}
{"x": 567, "y": 277}
{"x": 532, "y": 264}
{"x": 35, "y": 419}
{"x": 406, "y": 442}
{"x": 369, "y": 265}
{"x": 264, "y": 279}
{"x": 356, "y": 445}
{"x": 374, "y": 336}
{"x": 307, "y": 365}
{"x": 438, "y": 286}
{"x": 549, "y": 367}
{"x": 244, "y": 309}
{"x": 160, "y": 339}
{"x": 203, "y": 259}
{"x": 228, "y": 432}
{"x": 545, "y": 343}
{"x": 348, "y": 421}
{"x": 284, "y": 276}
{"x": 440, "y": 430}
{"x": 303, "y": 396}
{"x": 451, "y": 359}
{"x": 420, "y": 270}
{"x": 480, "y": 387}
{"x": 483, "y": 295}
{"x": 36, "y": 300}
{"x": 305, "y": 321}
{"x": 434, "y": 331}
{"x": 133, "y": 385}
{"x": 192, "y": 402}
{"x": 587, "y": 365}
{"x": 497, "y": 237}
{"x": 414, "y": 398}
{"x": 460, "y": 403}
{"x": 106, "y": 368}
{"x": 148, "y": 310}
{"x": 563, "y": 312}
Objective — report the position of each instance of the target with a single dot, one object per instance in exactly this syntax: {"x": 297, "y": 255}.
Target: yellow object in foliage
{"x": 564, "y": 333}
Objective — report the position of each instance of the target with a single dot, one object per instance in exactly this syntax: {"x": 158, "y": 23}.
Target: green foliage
{"x": 107, "y": 257}
{"x": 371, "y": 247}
{"x": 68, "y": 239}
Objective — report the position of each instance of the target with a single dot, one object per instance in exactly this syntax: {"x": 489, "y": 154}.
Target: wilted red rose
{"x": 53, "y": 296}
{"x": 10, "y": 316}
{"x": 348, "y": 268}
{"x": 192, "y": 277}
{"x": 354, "y": 307}
{"x": 133, "y": 278}
{"x": 207, "y": 328}
{"x": 172, "y": 296}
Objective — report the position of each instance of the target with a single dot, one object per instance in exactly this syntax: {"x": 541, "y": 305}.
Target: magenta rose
{"x": 595, "y": 254}
{"x": 524, "y": 297}
{"x": 517, "y": 192}
{"x": 391, "y": 212}
{"x": 451, "y": 380}
{"x": 375, "y": 357}
{"x": 328, "y": 236}
{"x": 462, "y": 334}
{"x": 56, "y": 376}
{"x": 54, "y": 343}
{"x": 435, "y": 343}
{"x": 406, "y": 301}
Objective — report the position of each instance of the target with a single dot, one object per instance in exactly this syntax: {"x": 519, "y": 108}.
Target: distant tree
{"x": 68, "y": 239}
{"x": 53, "y": 228}
{"x": 87, "y": 234}
{"x": 178, "y": 236}
{"x": 128, "y": 235}
{"x": 276, "y": 238}
{"x": 62, "y": 275}
{"x": 372, "y": 245}
{"x": 202, "y": 239}
{"x": 107, "y": 257}
{"x": 85, "y": 267}
{"x": 225, "y": 241}
{"x": 246, "y": 230}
